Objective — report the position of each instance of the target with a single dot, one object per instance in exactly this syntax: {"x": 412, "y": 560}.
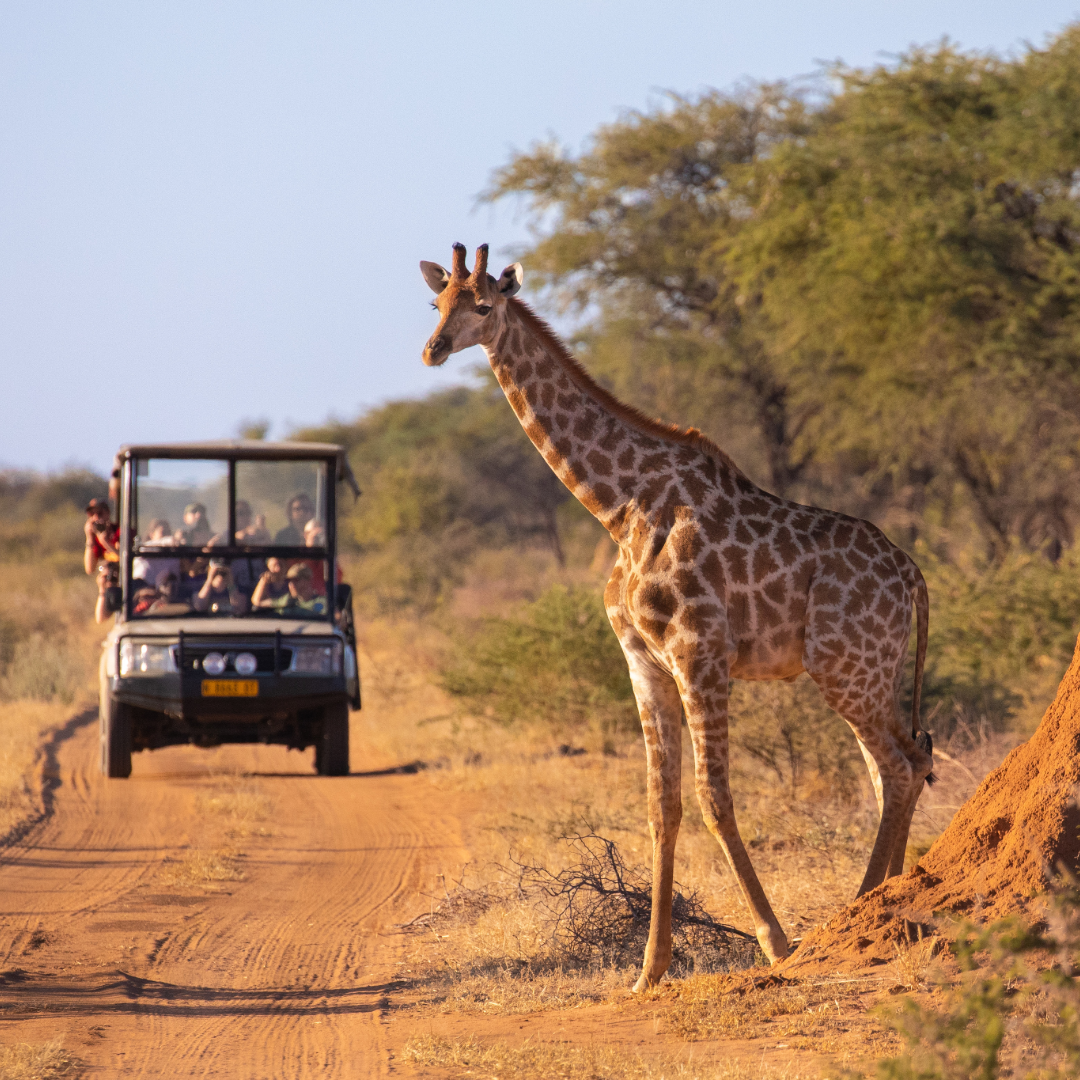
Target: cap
{"x": 97, "y": 504}
{"x": 298, "y": 570}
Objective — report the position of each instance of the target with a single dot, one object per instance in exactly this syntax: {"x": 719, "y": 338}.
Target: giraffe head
{"x": 470, "y": 306}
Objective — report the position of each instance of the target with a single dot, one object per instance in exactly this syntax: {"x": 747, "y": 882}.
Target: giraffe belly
{"x": 752, "y": 665}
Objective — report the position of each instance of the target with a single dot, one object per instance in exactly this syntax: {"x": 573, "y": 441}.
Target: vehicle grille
{"x": 264, "y": 655}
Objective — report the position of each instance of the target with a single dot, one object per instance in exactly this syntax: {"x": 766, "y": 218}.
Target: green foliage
{"x": 1015, "y": 1009}
{"x": 443, "y": 478}
{"x": 997, "y": 630}
{"x": 875, "y": 296}
{"x": 557, "y": 661}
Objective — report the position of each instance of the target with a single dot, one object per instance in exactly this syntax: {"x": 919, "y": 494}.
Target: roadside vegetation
{"x": 48, "y": 639}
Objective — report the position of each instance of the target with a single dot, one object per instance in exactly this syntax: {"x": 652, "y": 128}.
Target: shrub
{"x": 558, "y": 660}
{"x": 999, "y": 632}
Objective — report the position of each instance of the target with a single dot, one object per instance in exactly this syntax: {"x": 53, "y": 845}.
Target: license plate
{"x": 230, "y": 688}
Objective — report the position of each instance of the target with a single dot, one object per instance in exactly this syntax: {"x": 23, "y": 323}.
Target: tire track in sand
{"x": 286, "y": 973}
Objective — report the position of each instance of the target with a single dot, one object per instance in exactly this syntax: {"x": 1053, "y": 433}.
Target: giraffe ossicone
{"x": 715, "y": 579}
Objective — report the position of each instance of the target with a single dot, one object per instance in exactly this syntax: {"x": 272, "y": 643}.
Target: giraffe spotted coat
{"x": 715, "y": 579}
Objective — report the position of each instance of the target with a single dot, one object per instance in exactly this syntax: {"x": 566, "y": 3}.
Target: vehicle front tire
{"x": 332, "y": 748}
{"x": 115, "y": 722}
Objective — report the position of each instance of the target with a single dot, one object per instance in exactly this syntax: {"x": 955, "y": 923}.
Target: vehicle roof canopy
{"x": 243, "y": 450}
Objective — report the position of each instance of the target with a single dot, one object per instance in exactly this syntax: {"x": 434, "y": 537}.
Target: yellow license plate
{"x": 230, "y": 688}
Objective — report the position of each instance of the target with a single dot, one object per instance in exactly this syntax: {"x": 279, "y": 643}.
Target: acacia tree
{"x": 881, "y": 285}
{"x": 635, "y": 229}
{"x": 918, "y": 254}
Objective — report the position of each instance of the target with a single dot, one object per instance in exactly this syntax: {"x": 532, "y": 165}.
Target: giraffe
{"x": 715, "y": 579}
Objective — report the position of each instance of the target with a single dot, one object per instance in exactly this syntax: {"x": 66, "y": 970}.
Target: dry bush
{"x": 551, "y": 1060}
{"x": 38, "y": 1061}
{"x": 531, "y": 938}
{"x": 201, "y": 868}
{"x": 599, "y": 911}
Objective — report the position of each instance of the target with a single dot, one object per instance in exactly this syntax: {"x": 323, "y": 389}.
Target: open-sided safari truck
{"x": 232, "y": 625}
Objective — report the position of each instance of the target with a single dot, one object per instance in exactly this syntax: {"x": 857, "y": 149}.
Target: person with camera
{"x": 271, "y": 586}
{"x": 108, "y": 576}
{"x": 219, "y": 594}
{"x": 102, "y": 536}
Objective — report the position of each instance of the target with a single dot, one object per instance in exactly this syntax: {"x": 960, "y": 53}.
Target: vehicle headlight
{"x": 146, "y": 658}
{"x": 213, "y": 663}
{"x": 317, "y": 659}
{"x": 246, "y": 664}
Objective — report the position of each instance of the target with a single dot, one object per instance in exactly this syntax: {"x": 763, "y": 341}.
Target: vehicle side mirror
{"x": 114, "y": 599}
{"x": 343, "y": 596}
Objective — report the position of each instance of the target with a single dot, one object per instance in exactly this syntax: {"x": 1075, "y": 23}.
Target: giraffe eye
{"x": 483, "y": 309}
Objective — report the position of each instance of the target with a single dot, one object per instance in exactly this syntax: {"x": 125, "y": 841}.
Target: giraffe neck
{"x": 612, "y": 459}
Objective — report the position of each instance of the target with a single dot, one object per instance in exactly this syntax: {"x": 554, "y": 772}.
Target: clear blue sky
{"x": 214, "y": 211}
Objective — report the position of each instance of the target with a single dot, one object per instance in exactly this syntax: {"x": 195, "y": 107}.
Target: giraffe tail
{"x": 923, "y": 739}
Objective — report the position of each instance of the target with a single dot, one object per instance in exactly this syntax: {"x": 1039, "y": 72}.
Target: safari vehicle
{"x": 231, "y": 625}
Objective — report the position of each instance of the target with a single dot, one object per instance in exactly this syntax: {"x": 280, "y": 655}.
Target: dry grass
{"x": 38, "y": 1061}
{"x": 243, "y": 805}
{"x": 48, "y": 663}
{"x": 202, "y": 868}
{"x": 825, "y": 1016}
{"x": 551, "y": 1060}
{"x": 914, "y": 967}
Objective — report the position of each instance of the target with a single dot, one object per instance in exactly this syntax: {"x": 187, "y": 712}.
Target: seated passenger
{"x": 219, "y": 594}
{"x": 315, "y": 536}
{"x": 251, "y": 531}
{"x": 271, "y": 586}
{"x": 158, "y": 535}
{"x": 299, "y": 510}
{"x": 168, "y": 600}
{"x": 192, "y": 576}
{"x": 142, "y": 600}
{"x": 302, "y": 594}
{"x": 196, "y": 530}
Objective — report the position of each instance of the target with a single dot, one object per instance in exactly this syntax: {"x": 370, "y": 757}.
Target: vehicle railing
{"x": 229, "y": 551}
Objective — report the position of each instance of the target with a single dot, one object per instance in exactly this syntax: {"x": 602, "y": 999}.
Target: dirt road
{"x": 285, "y": 972}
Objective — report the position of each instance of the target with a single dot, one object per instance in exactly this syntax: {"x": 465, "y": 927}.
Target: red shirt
{"x": 102, "y": 553}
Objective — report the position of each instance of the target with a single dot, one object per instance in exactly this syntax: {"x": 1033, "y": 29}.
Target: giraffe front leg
{"x": 661, "y": 723}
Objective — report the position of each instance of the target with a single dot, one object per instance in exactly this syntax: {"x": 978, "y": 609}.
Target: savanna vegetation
{"x": 866, "y": 288}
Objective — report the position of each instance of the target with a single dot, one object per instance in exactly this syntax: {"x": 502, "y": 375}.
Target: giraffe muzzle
{"x": 436, "y": 351}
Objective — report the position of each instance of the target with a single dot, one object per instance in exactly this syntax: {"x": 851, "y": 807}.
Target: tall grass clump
{"x": 556, "y": 660}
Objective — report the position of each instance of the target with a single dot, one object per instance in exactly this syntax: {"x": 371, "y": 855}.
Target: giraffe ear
{"x": 510, "y": 280}
{"x": 436, "y": 277}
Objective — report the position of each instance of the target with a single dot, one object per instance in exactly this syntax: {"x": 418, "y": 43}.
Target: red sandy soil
{"x": 294, "y": 971}
{"x": 996, "y": 857}
{"x": 287, "y": 972}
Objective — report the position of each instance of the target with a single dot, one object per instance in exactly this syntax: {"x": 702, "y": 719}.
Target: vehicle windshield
{"x": 196, "y": 550}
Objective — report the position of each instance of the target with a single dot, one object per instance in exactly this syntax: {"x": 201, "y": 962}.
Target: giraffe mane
{"x": 630, "y": 414}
